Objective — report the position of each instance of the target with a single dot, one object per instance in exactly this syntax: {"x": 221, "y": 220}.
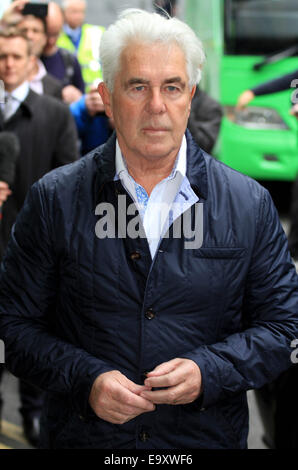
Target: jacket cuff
{"x": 82, "y": 389}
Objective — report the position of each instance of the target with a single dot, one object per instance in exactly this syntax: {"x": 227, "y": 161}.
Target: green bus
{"x": 248, "y": 42}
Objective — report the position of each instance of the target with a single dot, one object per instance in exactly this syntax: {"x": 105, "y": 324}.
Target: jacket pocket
{"x": 220, "y": 253}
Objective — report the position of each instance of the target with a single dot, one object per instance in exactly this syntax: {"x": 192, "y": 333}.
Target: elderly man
{"x": 144, "y": 335}
{"x": 82, "y": 39}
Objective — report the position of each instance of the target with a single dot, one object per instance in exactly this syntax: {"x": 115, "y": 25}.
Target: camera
{"x": 36, "y": 9}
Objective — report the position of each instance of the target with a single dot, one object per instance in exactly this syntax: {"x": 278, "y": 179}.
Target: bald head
{"x": 55, "y": 20}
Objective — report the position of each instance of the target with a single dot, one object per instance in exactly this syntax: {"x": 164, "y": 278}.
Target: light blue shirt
{"x": 169, "y": 199}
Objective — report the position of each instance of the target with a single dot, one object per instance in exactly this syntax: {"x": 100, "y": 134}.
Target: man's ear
{"x": 193, "y": 90}
{"x": 106, "y": 98}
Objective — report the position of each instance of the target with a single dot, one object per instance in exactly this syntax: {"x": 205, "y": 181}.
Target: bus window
{"x": 260, "y": 26}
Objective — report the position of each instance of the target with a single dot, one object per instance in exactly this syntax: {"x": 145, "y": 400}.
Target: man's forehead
{"x": 13, "y": 44}
{"x": 137, "y": 62}
{"x": 31, "y": 21}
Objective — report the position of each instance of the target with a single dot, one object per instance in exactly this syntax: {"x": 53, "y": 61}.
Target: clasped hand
{"x": 117, "y": 399}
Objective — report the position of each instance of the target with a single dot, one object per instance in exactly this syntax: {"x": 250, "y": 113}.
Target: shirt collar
{"x": 179, "y": 166}
{"x": 41, "y": 72}
{"x": 21, "y": 92}
{"x": 74, "y": 34}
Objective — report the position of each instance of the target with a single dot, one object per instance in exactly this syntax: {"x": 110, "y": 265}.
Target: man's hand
{"x": 13, "y": 13}
{"x": 245, "y": 98}
{"x": 4, "y": 192}
{"x": 117, "y": 399}
{"x": 71, "y": 94}
{"x": 294, "y": 110}
{"x": 182, "y": 381}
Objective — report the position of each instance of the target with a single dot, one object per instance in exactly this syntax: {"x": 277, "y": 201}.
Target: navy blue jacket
{"x": 73, "y": 306}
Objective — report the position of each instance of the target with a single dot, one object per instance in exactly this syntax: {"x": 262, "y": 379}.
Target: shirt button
{"x": 144, "y": 436}
{"x": 135, "y": 255}
{"x": 149, "y": 314}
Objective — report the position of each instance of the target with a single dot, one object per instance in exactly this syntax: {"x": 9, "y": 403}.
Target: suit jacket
{"x": 52, "y": 86}
{"x": 48, "y": 138}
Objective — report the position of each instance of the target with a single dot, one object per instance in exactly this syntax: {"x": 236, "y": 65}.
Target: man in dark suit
{"x": 47, "y": 136}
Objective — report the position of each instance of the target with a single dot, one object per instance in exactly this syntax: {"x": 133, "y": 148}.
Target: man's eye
{"x": 172, "y": 89}
{"x": 139, "y": 88}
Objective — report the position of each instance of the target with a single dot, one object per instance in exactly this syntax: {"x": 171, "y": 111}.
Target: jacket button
{"x": 149, "y": 314}
{"x": 144, "y": 436}
{"x": 135, "y": 255}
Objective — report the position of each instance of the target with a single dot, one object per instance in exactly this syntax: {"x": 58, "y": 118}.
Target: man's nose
{"x": 9, "y": 61}
{"x": 156, "y": 103}
{"x": 30, "y": 34}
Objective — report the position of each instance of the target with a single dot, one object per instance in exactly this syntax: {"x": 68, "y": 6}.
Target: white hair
{"x": 139, "y": 26}
{"x": 65, "y": 3}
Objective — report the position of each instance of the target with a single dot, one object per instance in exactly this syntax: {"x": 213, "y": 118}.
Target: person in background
{"x": 145, "y": 337}
{"x": 81, "y": 39}
{"x": 35, "y": 28}
{"x": 40, "y": 80}
{"x": 47, "y": 136}
{"x": 94, "y": 127}
{"x": 205, "y": 120}
{"x": 272, "y": 86}
{"x": 59, "y": 62}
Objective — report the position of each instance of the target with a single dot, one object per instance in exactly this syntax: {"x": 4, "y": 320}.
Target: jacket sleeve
{"x": 80, "y": 115}
{"x": 67, "y": 142}
{"x": 28, "y": 288}
{"x": 278, "y": 84}
{"x": 262, "y": 350}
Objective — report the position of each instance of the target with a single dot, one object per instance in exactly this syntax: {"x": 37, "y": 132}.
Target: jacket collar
{"x": 30, "y": 102}
{"x": 196, "y": 170}
{"x": 27, "y": 107}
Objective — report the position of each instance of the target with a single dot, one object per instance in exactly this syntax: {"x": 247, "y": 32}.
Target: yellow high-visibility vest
{"x": 88, "y": 51}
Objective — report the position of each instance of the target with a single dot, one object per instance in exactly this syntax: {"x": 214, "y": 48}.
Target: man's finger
{"x": 167, "y": 380}
{"x": 163, "y": 368}
{"x": 169, "y": 396}
{"x": 129, "y": 394}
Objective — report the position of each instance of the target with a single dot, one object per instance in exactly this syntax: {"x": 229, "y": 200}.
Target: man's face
{"x": 15, "y": 62}
{"x": 75, "y": 13}
{"x": 34, "y": 29}
{"x": 151, "y": 101}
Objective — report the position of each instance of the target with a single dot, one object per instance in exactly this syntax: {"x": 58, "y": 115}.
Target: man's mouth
{"x": 155, "y": 129}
